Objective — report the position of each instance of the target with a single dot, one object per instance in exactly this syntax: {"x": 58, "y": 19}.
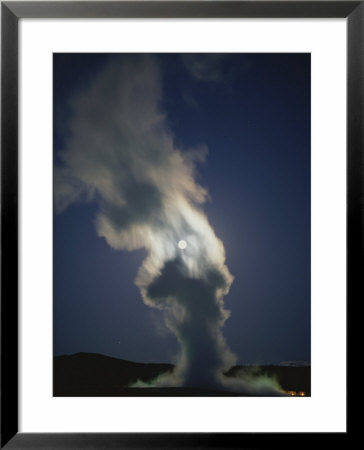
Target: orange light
{"x": 296, "y": 393}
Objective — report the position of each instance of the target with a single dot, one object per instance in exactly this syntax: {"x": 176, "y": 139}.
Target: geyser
{"x": 121, "y": 154}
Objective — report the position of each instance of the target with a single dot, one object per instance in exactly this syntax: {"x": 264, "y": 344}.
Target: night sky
{"x": 252, "y": 112}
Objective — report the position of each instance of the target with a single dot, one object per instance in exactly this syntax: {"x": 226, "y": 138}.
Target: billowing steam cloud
{"x": 121, "y": 153}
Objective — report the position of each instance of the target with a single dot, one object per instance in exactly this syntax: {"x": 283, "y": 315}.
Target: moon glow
{"x": 182, "y": 244}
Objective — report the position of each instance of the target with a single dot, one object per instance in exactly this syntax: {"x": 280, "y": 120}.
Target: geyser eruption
{"x": 121, "y": 154}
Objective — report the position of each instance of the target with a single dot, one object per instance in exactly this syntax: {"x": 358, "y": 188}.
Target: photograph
{"x": 181, "y": 224}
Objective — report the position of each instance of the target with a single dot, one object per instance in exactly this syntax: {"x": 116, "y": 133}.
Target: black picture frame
{"x": 11, "y": 12}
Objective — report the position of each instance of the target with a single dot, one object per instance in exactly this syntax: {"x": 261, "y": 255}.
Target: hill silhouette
{"x": 95, "y": 375}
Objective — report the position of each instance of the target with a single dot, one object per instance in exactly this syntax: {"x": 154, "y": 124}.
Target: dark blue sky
{"x": 253, "y": 113}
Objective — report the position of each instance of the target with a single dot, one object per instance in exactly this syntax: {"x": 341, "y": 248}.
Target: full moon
{"x": 182, "y": 244}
